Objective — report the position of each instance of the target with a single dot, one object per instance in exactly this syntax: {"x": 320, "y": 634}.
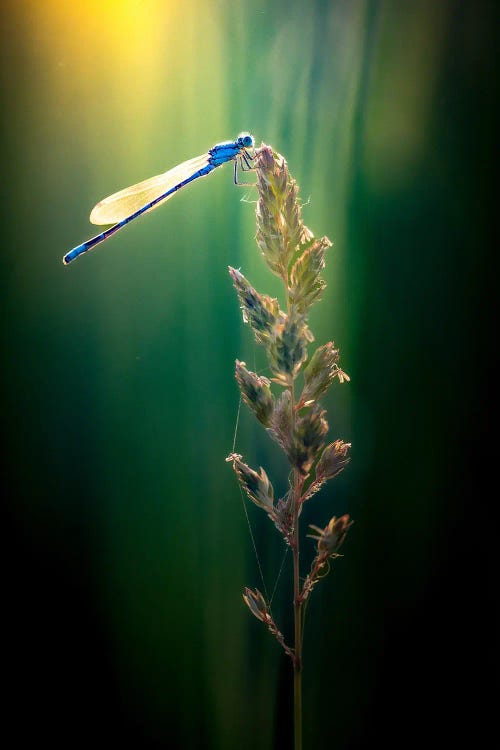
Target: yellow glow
{"x": 134, "y": 70}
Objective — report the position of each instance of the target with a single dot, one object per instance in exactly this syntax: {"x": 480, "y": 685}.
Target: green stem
{"x": 297, "y": 604}
{"x": 297, "y": 663}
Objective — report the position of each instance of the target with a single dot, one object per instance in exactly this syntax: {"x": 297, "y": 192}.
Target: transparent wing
{"x": 120, "y": 205}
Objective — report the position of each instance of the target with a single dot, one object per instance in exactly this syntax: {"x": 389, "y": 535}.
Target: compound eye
{"x": 245, "y": 139}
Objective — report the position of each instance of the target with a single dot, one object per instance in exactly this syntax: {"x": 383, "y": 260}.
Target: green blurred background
{"x": 127, "y": 543}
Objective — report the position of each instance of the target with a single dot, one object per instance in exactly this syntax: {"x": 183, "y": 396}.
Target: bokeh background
{"x": 127, "y": 545}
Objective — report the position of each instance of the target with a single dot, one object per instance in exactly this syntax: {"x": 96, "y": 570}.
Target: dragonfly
{"x": 123, "y": 207}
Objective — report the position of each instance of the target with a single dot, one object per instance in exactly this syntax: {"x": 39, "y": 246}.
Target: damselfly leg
{"x": 242, "y": 163}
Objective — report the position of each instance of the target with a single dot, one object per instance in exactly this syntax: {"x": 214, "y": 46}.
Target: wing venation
{"x": 119, "y": 206}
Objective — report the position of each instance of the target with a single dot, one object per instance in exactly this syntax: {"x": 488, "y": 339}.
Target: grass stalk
{"x": 297, "y": 423}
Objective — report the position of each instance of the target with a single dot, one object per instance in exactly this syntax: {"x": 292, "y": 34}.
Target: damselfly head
{"x": 245, "y": 140}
